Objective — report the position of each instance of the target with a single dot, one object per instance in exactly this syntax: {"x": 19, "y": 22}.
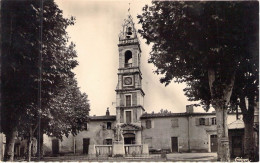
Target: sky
{"x": 95, "y": 33}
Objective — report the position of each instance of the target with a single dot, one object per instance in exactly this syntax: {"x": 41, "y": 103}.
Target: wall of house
{"x": 200, "y": 134}
{"x": 159, "y": 135}
{"x": 97, "y": 132}
{"x": 196, "y": 139}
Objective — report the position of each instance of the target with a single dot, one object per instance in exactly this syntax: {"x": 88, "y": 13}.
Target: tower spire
{"x": 128, "y": 33}
{"x": 129, "y": 9}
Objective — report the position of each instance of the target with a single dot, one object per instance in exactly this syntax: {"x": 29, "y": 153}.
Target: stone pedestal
{"x": 118, "y": 148}
{"x": 145, "y": 149}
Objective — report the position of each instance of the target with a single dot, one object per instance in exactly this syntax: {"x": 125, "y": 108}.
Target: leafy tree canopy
{"x": 191, "y": 38}
{"x": 21, "y": 21}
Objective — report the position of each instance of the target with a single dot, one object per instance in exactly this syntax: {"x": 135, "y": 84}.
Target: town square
{"x": 127, "y": 81}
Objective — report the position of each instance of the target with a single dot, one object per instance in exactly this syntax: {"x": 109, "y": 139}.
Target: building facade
{"x": 181, "y": 132}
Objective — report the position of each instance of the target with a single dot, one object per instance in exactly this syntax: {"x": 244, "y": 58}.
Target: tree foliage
{"x": 67, "y": 113}
{"x": 189, "y": 38}
{"x": 21, "y": 40}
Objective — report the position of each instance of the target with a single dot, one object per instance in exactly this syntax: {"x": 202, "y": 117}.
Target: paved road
{"x": 192, "y": 157}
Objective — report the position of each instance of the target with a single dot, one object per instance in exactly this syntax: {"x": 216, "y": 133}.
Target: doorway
{"x": 129, "y": 138}
{"x": 55, "y": 146}
{"x": 237, "y": 146}
{"x": 174, "y": 144}
{"x": 85, "y": 145}
{"x": 213, "y": 143}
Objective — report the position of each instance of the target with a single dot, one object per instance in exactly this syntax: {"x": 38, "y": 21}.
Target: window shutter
{"x": 148, "y": 124}
{"x": 210, "y": 121}
{"x": 174, "y": 123}
{"x": 207, "y": 121}
{"x": 197, "y": 121}
{"x": 104, "y": 142}
{"x": 144, "y": 124}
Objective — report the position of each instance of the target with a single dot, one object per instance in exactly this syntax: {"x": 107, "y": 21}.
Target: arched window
{"x": 128, "y": 59}
{"x": 128, "y": 32}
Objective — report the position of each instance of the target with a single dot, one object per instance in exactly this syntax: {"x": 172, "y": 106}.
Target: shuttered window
{"x": 148, "y": 124}
{"x": 202, "y": 121}
{"x": 213, "y": 121}
{"x": 175, "y": 123}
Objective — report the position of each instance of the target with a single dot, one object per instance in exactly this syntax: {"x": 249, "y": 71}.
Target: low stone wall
{"x": 133, "y": 149}
{"x": 103, "y": 150}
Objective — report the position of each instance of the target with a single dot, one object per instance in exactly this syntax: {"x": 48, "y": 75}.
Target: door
{"x": 237, "y": 146}
{"x": 85, "y": 145}
{"x": 129, "y": 138}
{"x": 213, "y": 143}
{"x": 174, "y": 144}
{"x": 55, "y": 146}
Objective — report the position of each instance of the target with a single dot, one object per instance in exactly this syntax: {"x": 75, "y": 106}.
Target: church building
{"x": 132, "y": 131}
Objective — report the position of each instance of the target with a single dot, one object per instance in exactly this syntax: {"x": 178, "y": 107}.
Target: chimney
{"x": 107, "y": 112}
{"x": 189, "y": 108}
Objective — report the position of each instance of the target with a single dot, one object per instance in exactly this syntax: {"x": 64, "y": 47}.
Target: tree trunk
{"x": 249, "y": 142}
{"x": 29, "y": 145}
{"x": 220, "y": 98}
{"x": 248, "y": 118}
{"x": 10, "y": 141}
{"x": 29, "y": 149}
{"x": 41, "y": 145}
{"x": 222, "y": 133}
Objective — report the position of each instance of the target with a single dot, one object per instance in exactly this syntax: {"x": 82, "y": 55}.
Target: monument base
{"x": 118, "y": 148}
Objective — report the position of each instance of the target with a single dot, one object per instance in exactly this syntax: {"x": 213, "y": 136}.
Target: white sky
{"x": 98, "y": 24}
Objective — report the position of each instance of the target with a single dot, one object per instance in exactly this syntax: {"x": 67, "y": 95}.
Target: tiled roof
{"x": 103, "y": 118}
{"x": 238, "y": 124}
{"x": 160, "y": 115}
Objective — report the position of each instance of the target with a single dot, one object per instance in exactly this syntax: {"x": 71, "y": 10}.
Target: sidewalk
{"x": 189, "y": 157}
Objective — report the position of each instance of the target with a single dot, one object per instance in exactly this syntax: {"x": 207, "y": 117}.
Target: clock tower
{"x": 129, "y": 92}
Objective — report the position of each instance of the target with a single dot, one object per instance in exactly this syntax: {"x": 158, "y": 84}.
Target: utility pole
{"x": 39, "y": 82}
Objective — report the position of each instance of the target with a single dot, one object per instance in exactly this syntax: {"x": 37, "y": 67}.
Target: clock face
{"x": 128, "y": 81}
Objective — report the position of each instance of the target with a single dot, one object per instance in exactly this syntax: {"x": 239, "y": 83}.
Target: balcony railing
{"x": 127, "y": 41}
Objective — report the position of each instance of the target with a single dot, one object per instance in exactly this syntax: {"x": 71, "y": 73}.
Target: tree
{"x": 17, "y": 66}
{"x": 20, "y": 69}
{"x": 202, "y": 44}
{"x": 68, "y": 113}
{"x": 246, "y": 95}
{"x": 65, "y": 113}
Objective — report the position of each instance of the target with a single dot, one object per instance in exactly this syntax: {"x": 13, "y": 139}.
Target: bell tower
{"x": 129, "y": 92}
